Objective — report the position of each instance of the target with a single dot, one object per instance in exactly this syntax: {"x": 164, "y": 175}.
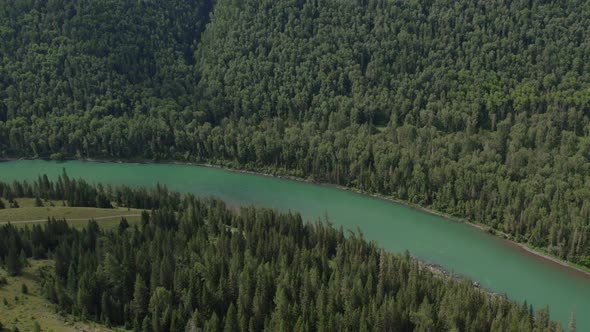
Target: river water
{"x": 498, "y": 265}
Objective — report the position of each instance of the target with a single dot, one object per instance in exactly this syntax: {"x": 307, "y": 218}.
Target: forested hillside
{"x": 193, "y": 263}
{"x": 479, "y": 109}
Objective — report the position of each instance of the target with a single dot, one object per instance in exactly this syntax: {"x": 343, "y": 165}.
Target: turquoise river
{"x": 497, "y": 264}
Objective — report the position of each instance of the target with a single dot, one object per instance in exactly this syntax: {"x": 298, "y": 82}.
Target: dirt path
{"x": 71, "y": 219}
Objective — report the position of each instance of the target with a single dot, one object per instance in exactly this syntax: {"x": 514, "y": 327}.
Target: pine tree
{"x": 85, "y": 299}
{"x": 572, "y": 324}
{"x": 23, "y": 258}
{"x": 140, "y": 301}
{"x": 212, "y": 324}
{"x": 72, "y": 278}
{"x": 104, "y": 309}
{"x": 13, "y": 262}
{"x": 145, "y": 325}
{"x": 176, "y": 321}
{"x": 193, "y": 323}
{"x": 422, "y": 319}
{"x": 123, "y": 225}
{"x": 160, "y": 310}
{"x": 280, "y": 316}
{"x": 231, "y": 320}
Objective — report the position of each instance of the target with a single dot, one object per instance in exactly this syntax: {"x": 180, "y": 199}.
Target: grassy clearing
{"x": 103, "y": 223}
{"x": 29, "y": 214}
{"x": 23, "y": 310}
{"x": 106, "y": 224}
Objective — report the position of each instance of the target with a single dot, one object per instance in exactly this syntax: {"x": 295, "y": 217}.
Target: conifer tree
{"x": 160, "y": 310}
{"x": 14, "y": 263}
{"x": 140, "y": 302}
{"x": 212, "y": 324}
{"x": 572, "y": 323}
{"x": 231, "y": 320}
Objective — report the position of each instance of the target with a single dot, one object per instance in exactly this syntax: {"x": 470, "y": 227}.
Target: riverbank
{"x": 284, "y": 174}
{"x": 538, "y": 252}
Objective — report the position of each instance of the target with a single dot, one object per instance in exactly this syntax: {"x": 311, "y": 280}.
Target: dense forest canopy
{"x": 194, "y": 264}
{"x": 479, "y": 109}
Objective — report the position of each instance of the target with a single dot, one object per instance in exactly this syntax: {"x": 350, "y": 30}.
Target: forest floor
{"x": 21, "y": 310}
{"x": 29, "y": 214}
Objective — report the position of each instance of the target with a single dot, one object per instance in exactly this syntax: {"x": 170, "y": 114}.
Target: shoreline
{"x": 495, "y": 233}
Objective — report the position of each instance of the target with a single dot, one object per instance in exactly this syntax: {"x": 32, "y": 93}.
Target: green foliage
{"x": 160, "y": 309}
{"x": 24, "y": 289}
{"x": 572, "y": 323}
{"x": 14, "y": 265}
{"x": 140, "y": 302}
{"x": 123, "y": 225}
{"x": 479, "y": 109}
{"x": 197, "y": 264}
{"x": 231, "y": 320}
{"x": 57, "y": 156}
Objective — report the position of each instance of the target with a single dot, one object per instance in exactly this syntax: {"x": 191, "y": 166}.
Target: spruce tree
{"x": 23, "y": 258}
{"x": 193, "y": 323}
{"x": 140, "y": 299}
{"x": 572, "y": 324}
{"x": 160, "y": 310}
{"x": 14, "y": 265}
{"x": 231, "y": 320}
{"x": 212, "y": 324}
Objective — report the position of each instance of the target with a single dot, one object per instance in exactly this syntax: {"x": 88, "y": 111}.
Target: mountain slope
{"x": 476, "y": 109}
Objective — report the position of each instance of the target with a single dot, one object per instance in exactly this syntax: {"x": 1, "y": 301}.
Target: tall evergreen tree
{"x": 140, "y": 302}
{"x": 14, "y": 264}
{"x": 572, "y": 323}
{"x": 231, "y": 320}
{"x": 160, "y": 309}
